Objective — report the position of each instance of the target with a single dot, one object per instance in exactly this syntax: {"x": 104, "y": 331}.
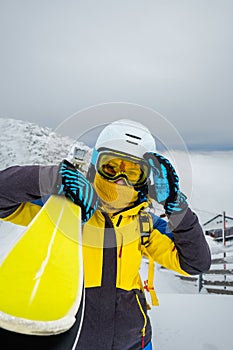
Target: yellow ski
{"x": 41, "y": 278}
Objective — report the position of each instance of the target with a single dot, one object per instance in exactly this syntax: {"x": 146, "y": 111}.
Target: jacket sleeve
{"x": 193, "y": 249}
{"x": 20, "y": 184}
{"x": 185, "y": 249}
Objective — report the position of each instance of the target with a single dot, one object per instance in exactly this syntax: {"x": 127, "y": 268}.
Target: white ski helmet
{"x": 126, "y": 136}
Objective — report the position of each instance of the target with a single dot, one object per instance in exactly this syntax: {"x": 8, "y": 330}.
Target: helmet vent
{"x": 134, "y": 136}
{"x": 133, "y": 143}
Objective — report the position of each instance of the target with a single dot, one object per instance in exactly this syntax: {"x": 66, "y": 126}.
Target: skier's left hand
{"x": 76, "y": 187}
{"x": 165, "y": 188}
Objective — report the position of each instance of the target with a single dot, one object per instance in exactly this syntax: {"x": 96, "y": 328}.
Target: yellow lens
{"x": 113, "y": 167}
{"x": 132, "y": 170}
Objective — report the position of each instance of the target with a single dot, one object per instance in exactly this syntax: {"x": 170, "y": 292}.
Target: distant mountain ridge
{"x": 24, "y": 143}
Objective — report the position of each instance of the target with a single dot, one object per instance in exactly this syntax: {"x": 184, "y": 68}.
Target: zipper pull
{"x": 121, "y": 247}
{"x": 143, "y": 342}
{"x": 143, "y": 338}
{"x": 120, "y": 252}
{"x": 119, "y": 221}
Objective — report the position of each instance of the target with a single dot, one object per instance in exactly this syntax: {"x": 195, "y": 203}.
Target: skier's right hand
{"x": 76, "y": 187}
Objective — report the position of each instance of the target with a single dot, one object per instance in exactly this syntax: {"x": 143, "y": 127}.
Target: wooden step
{"x": 219, "y": 291}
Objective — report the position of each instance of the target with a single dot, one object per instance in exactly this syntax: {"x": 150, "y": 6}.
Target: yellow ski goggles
{"x": 113, "y": 166}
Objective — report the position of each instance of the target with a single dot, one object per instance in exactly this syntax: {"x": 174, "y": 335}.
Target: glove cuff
{"x": 177, "y": 206}
{"x": 59, "y": 186}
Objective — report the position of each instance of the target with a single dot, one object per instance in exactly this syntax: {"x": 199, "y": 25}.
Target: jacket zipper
{"x": 143, "y": 330}
{"x": 120, "y": 260}
{"x": 120, "y": 250}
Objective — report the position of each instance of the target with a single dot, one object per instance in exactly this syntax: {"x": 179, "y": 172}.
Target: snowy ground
{"x": 193, "y": 322}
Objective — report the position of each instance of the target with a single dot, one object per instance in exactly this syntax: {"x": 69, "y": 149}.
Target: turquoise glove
{"x": 165, "y": 188}
{"x": 76, "y": 187}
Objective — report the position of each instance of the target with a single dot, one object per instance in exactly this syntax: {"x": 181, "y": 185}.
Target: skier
{"x": 124, "y": 175}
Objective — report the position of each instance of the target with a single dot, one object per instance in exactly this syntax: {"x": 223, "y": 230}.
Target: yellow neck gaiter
{"x": 114, "y": 197}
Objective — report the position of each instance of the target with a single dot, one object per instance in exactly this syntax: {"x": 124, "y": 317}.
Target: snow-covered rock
{"x": 23, "y": 143}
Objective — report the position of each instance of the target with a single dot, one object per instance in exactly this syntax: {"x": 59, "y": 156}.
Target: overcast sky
{"x": 174, "y": 56}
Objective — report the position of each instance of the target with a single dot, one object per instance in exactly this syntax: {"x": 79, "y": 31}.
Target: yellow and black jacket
{"x": 115, "y": 308}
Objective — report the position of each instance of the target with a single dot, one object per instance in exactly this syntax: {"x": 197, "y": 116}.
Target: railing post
{"x": 200, "y": 282}
{"x": 224, "y": 242}
{"x": 224, "y": 228}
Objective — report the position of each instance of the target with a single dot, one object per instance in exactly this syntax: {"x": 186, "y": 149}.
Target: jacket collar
{"x": 130, "y": 211}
